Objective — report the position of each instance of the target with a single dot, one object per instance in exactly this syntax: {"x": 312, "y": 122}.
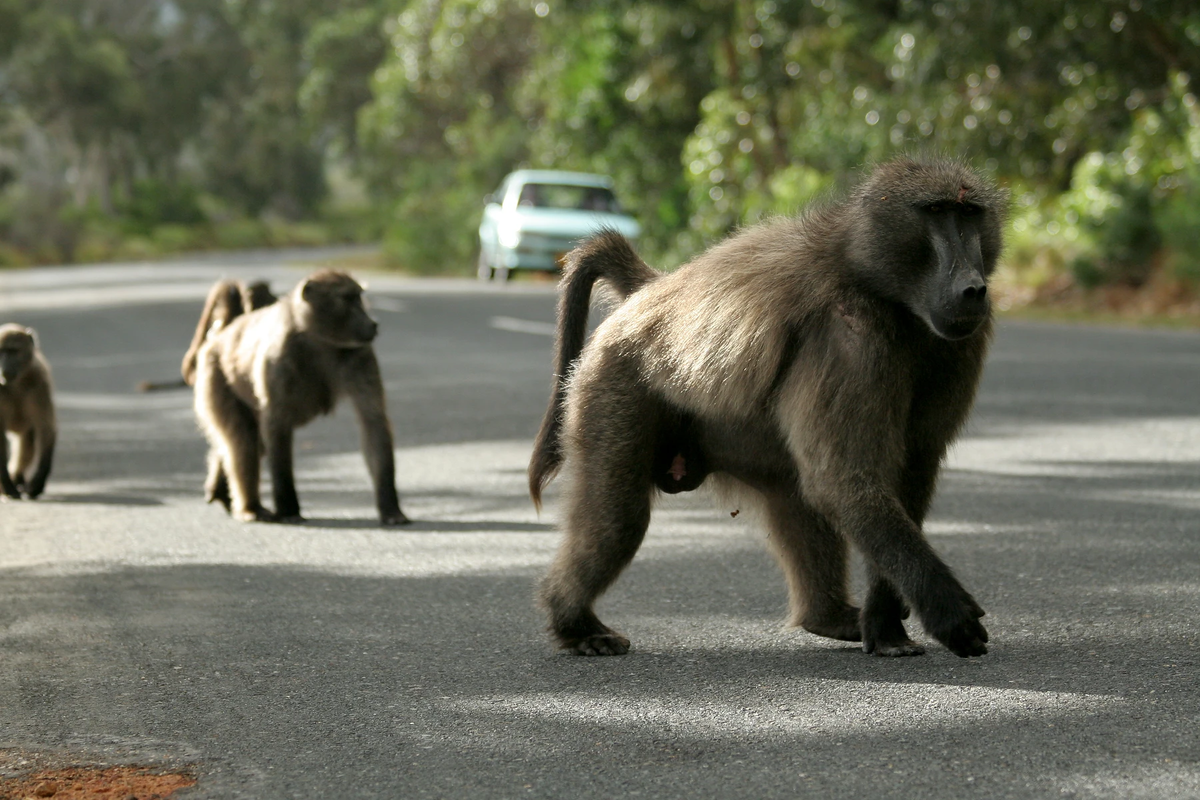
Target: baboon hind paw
{"x": 599, "y": 644}
{"x": 894, "y": 649}
{"x": 394, "y": 518}
{"x": 255, "y": 514}
{"x": 841, "y": 625}
{"x": 884, "y": 635}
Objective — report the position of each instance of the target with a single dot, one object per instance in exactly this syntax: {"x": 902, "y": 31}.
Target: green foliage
{"x": 153, "y": 202}
{"x": 1178, "y": 220}
{"x": 1141, "y": 199}
{"x": 146, "y": 127}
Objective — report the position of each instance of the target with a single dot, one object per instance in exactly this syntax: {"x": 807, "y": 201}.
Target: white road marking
{"x": 375, "y": 302}
{"x": 522, "y": 326}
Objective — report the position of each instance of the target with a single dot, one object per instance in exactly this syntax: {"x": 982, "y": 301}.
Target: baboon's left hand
{"x": 960, "y": 630}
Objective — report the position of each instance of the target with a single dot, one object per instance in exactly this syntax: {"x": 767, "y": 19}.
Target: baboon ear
{"x": 306, "y": 290}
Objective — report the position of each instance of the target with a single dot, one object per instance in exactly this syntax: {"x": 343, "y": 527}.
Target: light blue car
{"x": 537, "y": 216}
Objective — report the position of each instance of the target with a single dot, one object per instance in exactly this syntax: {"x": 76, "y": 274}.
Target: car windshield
{"x": 557, "y": 195}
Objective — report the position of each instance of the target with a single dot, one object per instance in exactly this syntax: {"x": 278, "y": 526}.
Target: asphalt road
{"x": 339, "y": 659}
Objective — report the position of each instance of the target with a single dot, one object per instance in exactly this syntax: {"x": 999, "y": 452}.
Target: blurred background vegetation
{"x": 131, "y": 128}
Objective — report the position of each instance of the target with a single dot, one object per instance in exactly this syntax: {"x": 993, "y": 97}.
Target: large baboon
{"x": 26, "y": 413}
{"x": 267, "y": 372}
{"x": 821, "y": 365}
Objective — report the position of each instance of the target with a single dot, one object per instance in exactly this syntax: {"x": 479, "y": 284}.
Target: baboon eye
{"x": 948, "y": 207}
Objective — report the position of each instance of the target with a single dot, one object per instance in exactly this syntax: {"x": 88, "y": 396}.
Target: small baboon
{"x": 226, "y": 300}
{"x": 26, "y": 413}
{"x": 817, "y": 366}
{"x": 267, "y": 372}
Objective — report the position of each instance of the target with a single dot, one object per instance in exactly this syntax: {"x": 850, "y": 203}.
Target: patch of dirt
{"x": 95, "y": 783}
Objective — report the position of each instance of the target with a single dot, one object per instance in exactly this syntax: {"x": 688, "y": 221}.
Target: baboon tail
{"x": 223, "y": 304}
{"x": 607, "y": 256}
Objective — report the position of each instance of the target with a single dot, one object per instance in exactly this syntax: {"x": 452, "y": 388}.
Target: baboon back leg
{"x": 813, "y": 557}
{"x": 606, "y": 512}
{"x": 235, "y": 429}
{"x": 605, "y": 524}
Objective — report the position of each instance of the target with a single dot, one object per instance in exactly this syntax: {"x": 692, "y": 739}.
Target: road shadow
{"x": 96, "y": 498}
{"x": 449, "y": 684}
{"x": 425, "y": 525}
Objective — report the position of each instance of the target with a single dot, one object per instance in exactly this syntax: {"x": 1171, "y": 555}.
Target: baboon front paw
{"x": 965, "y": 640}
{"x": 394, "y": 518}
{"x": 599, "y": 644}
{"x": 288, "y": 519}
{"x": 960, "y": 630}
{"x": 11, "y": 491}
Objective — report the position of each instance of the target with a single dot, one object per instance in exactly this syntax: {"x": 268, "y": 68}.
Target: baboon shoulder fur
{"x": 822, "y": 362}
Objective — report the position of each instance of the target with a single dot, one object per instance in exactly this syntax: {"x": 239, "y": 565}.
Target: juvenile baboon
{"x": 821, "y": 365}
{"x": 226, "y": 300}
{"x": 267, "y": 372}
{"x": 26, "y": 413}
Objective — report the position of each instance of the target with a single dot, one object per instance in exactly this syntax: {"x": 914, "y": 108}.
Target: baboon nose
{"x": 975, "y": 293}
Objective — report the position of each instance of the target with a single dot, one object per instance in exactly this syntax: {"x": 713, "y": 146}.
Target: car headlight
{"x": 509, "y": 234}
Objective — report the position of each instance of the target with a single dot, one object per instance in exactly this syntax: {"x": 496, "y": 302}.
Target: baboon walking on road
{"x": 26, "y": 413}
{"x": 819, "y": 364}
{"x": 270, "y": 371}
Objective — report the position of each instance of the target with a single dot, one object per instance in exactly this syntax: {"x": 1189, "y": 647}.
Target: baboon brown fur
{"x": 818, "y": 365}
{"x": 26, "y": 414}
{"x": 267, "y": 372}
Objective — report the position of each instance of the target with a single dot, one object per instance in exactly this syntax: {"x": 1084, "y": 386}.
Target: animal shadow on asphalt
{"x": 424, "y": 526}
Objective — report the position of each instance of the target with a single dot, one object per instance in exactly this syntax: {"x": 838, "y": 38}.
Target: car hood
{"x": 572, "y": 224}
